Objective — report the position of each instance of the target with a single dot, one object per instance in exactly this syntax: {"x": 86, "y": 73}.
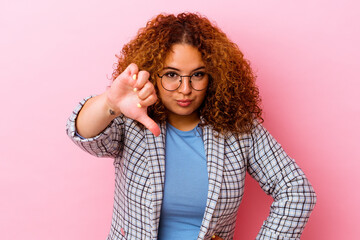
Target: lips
{"x": 184, "y": 103}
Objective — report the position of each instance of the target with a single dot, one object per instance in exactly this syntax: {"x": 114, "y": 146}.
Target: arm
{"x": 120, "y": 98}
{"x": 92, "y": 118}
{"x": 101, "y": 114}
{"x": 280, "y": 177}
{"x": 106, "y": 143}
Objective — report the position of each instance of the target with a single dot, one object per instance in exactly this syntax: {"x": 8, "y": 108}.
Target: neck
{"x": 184, "y": 123}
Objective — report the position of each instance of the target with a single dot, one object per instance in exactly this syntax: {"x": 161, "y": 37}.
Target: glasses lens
{"x": 171, "y": 81}
{"x": 199, "y": 81}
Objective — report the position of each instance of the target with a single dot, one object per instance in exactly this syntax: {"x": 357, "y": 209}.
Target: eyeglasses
{"x": 171, "y": 81}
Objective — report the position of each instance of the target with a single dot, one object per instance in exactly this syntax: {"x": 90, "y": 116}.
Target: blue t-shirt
{"x": 186, "y": 185}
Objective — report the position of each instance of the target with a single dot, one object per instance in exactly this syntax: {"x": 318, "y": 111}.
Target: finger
{"x": 148, "y": 101}
{"x": 147, "y": 90}
{"x": 131, "y": 70}
{"x": 130, "y": 73}
{"x": 150, "y": 124}
{"x": 142, "y": 79}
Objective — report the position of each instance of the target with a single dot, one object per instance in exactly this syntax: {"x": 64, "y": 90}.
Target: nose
{"x": 185, "y": 86}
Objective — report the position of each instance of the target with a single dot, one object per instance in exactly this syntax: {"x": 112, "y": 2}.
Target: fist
{"x": 131, "y": 93}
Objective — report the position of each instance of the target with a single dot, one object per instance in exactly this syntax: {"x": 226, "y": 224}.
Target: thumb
{"x": 150, "y": 124}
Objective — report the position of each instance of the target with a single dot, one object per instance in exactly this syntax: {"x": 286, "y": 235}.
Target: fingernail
{"x": 135, "y": 89}
{"x": 134, "y": 76}
{"x": 139, "y": 105}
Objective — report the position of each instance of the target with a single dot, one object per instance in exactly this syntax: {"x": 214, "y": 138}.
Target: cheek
{"x": 202, "y": 97}
{"x": 160, "y": 90}
{"x": 161, "y": 93}
{"x": 164, "y": 95}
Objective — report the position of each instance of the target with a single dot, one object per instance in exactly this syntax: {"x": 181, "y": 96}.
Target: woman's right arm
{"x": 95, "y": 125}
{"x": 94, "y": 116}
{"x": 130, "y": 94}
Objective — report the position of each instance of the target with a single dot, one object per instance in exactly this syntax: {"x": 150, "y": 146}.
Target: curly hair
{"x": 232, "y": 101}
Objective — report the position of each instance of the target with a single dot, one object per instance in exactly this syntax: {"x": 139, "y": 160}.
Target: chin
{"x": 182, "y": 112}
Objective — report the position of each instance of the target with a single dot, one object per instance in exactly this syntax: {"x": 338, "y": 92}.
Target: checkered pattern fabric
{"x": 139, "y": 160}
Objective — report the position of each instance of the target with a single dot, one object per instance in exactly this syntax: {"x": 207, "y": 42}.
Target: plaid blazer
{"x": 139, "y": 160}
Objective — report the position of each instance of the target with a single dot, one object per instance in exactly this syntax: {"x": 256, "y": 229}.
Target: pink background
{"x": 54, "y": 53}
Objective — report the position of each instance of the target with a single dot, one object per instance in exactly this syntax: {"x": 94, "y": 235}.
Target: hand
{"x": 130, "y": 94}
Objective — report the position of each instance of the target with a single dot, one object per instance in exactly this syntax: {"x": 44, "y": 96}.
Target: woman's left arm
{"x": 280, "y": 177}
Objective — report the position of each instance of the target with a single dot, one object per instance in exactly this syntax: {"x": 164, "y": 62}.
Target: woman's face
{"x": 183, "y": 59}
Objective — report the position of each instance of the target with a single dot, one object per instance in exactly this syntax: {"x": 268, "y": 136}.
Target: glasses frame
{"x": 181, "y": 78}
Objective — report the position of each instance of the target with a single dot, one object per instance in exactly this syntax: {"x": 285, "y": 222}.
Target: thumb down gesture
{"x": 130, "y": 94}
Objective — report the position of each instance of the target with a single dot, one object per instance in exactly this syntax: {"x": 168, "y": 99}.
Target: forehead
{"x": 184, "y": 57}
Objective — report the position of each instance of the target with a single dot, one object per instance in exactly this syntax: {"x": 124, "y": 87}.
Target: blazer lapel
{"x": 214, "y": 150}
{"x": 156, "y": 167}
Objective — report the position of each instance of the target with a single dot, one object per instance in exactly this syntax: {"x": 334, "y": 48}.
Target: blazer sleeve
{"x": 280, "y": 177}
{"x": 107, "y": 144}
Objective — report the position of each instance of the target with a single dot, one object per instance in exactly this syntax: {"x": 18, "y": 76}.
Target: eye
{"x": 171, "y": 75}
{"x": 198, "y": 75}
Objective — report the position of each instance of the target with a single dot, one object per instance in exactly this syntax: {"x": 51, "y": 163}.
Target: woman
{"x": 182, "y": 121}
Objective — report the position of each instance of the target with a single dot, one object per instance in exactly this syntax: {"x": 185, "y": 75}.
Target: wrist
{"x": 110, "y": 109}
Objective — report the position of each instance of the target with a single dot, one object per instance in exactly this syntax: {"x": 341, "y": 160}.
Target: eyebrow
{"x": 172, "y": 68}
